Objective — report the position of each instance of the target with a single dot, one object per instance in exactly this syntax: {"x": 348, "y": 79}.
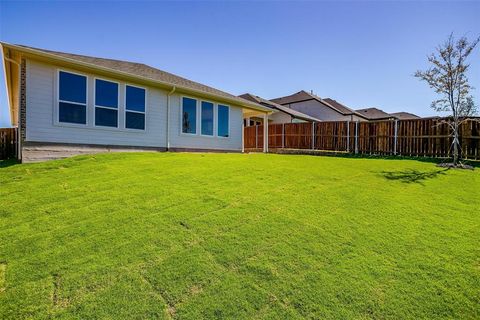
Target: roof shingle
{"x": 305, "y": 96}
{"x": 374, "y": 114}
{"x": 141, "y": 70}
{"x": 404, "y": 115}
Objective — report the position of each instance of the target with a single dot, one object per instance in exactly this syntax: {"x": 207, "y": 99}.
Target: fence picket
{"x": 418, "y": 137}
{"x": 8, "y": 143}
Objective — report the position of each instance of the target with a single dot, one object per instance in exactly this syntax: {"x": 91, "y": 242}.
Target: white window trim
{"x": 58, "y": 101}
{"x": 213, "y": 120}
{"x": 229, "y": 126}
{"x": 197, "y": 120}
{"x": 134, "y": 111}
{"x": 95, "y": 106}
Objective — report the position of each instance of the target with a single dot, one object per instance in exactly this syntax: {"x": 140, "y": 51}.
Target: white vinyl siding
{"x": 42, "y": 111}
{"x": 199, "y": 141}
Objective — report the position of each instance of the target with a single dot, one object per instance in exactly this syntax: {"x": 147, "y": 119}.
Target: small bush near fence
{"x": 419, "y": 137}
{"x": 8, "y": 143}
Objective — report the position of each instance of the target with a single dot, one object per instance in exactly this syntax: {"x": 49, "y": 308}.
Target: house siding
{"x": 41, "y": 111}
{"x": 320, "y": 111}
{"x": 197, "y": 141}
{"x": 279, "y": 117}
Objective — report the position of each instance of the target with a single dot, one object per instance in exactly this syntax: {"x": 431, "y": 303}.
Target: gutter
{"x": 245, "y": 103}
{"x": 168, "y": 116}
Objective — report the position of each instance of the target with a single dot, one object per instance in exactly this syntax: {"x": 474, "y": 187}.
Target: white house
{"x": 65, "y": 104}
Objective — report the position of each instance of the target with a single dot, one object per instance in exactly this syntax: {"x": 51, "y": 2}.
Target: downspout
{"x": 12, "y": 61}
{"x": 168, "y": 116}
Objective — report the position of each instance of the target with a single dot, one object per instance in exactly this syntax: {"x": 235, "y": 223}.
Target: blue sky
{"x": 359, "y": 53}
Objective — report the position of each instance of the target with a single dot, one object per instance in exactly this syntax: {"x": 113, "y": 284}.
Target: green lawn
{"x": 191, "y": 236}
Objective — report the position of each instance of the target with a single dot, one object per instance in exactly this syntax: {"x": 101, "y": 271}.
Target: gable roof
{"x": 273, "y": 105}
{"x": 140, "y": 71}
{"x": 404, "y": 115}
{"x": 374, "y": 114}
{"x": 305, "y": 96}
{"x": 341, "y": 107}
{"x": 296, "y": 97}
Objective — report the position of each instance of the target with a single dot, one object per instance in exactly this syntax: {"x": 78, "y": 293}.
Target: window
{"x": 207, "y": 118}
{"x": 106, "y": 103}
{"x": 189, "y": 116}
{"x": 223, "y": 120}
{"x": 72, "y": 98}
{"x": 134, "y": 108}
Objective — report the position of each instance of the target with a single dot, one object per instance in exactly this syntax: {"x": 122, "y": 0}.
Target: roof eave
{"x": 246, "y": 104}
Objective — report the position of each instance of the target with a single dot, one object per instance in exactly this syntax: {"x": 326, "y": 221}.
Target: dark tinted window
{"x": 72, "y": 87}
{"x": 72, "y": 113}
{"x": 207, "y": 118}
{"x": 106, "y": 117}
{"x": 106, "y": 93}
{"x": 135, "y": 99}
{"x": 223, "y": 119}
{"x": 189, "y": 115}
{"x": 135, "y": 120}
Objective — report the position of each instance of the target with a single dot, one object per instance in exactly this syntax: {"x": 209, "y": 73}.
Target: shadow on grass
{"x": 412, "y": 175}
{"x": 8, "y": 163}
{"x": 473, "y": 163}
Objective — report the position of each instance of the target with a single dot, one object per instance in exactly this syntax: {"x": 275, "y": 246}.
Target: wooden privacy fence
{"x": 8, "y": 143}
{"x": 419, "y": 137}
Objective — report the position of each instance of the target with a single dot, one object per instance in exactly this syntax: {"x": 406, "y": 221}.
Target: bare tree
{"x": 448, "y": 77}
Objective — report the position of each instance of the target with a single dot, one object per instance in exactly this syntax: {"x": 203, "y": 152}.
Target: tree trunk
{"x": 456, "y": 142}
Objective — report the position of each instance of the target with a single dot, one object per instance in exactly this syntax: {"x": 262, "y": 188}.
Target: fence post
{"x": 356, "y": 137}
{"x": 348, "y": 136}
{"x": 283, "y": 135}
{"x": 265, "y": 133}
{"x": 256, "y": 137}
{"x": 313, "y": 135}
{"x": 395, "y": 138}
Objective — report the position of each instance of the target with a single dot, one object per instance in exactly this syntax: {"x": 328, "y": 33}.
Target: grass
{"x": 222, "y": 236}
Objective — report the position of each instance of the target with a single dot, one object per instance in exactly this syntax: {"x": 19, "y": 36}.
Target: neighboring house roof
{"x": 141, "y": 71}
{"x": 296, "y": 97}
{"x": 273, "y": 105}
{"x": 374, "y": 114}
{"x": 404, "y": 115}
{"x": 305, "y": 96}
{"x": 341, "y": 107}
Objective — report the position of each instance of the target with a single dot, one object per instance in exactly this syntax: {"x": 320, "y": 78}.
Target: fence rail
{"x": 8, "y": 143}
{"x": 419, "y": 137}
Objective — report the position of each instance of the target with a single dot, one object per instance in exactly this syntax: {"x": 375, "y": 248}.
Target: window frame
{"x": 217, "y": 119}
{"x": 214, "y": 110}
{"x": 95, "y": 106}
{"x": 56, "y": 119}
{"x": 197, "y": 124}
{"x": 125, "y": 85}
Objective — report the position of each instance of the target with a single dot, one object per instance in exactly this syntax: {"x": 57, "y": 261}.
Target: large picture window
{"x": 207, "y": 118}
{"x": 72, "y": 98}
{"x": 189, "y": 115}
{"x": 223, "y": 120}
{"x": 106, "y": 103}
{"x": 134, "y": 108}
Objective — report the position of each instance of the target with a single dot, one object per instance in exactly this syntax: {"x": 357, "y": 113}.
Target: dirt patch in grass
{"x": 57, "y": 300}
{"x": 3, "y": 272}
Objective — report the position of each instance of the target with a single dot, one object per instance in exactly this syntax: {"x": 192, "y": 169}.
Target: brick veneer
{"x": 23, "y": 101}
